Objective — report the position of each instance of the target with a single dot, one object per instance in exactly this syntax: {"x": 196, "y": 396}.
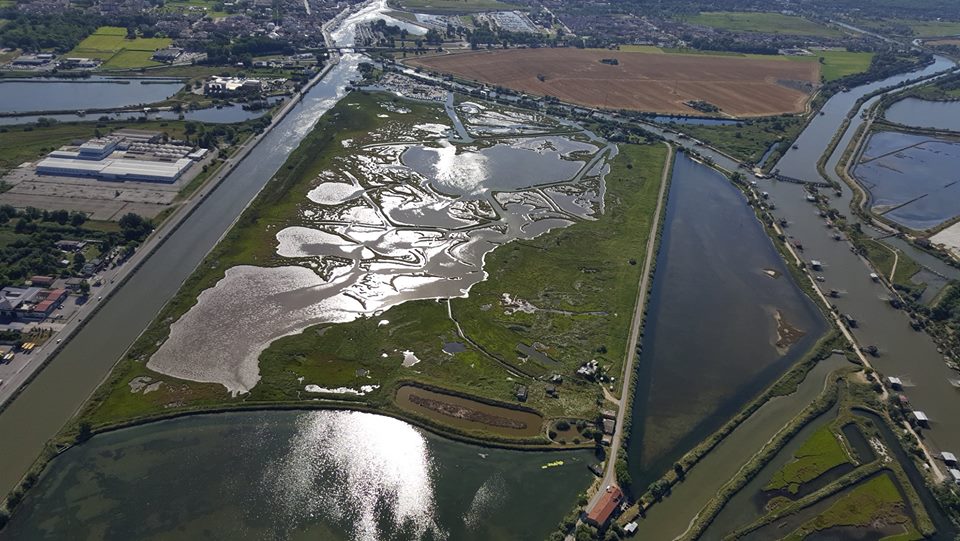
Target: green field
{"x": 586, "y": 300}
{"x": 453, "y": 6}
{"x": 836, "y": 63}
{"x": 768, "y": 23}
{"x": 927, "y": 29}
{"x": 747, "y": 140}
{"x": 110, "y": 45}
{"x": 870, "y": 502}
{"x": 206, "y": 6}
{"x": 820, "y": 453}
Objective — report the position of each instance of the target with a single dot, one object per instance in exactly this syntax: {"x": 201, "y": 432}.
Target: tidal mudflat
{"x": 911, "y": 179}
{"x": 399, "y": 215}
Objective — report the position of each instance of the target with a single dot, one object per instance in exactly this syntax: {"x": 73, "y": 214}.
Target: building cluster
{"x": 511, "y": 21}
{"x": 124, "y": 155}
{"x": 411, "y": 88}
{"x": 232, "y": 86}
{"x": 29, "y": 303}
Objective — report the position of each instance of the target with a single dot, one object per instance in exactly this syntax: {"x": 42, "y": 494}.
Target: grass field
{"x": 447, "y": 7}
{"x": 820, "y": 453}
{"x": 837, "y": 64}
{"x": 110, "y": 45}
{"x": 750, "y": 139}
{"x": 329, "y": 355}
{"x": 768, "y": 23}
{"x": 876, "y": 501}
{"x": 20, "y": 144}
{"x": 206, "y": 6}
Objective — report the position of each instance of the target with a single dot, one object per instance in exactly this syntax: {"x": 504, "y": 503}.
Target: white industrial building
{"x": 121, "y": 157}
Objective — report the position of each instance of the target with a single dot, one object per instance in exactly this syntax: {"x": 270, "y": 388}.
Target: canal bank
{"x": 58, "y": 391}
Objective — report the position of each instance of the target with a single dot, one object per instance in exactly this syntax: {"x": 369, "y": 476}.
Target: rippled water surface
{"x": 328, "y": 475}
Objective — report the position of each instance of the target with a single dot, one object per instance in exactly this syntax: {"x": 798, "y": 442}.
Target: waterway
{"x": 714, "y": 282}
{"x": 330, "y": 475}
{"x": 228, "y": 114}
{"x": 917, "y": 113}
{"x": 36, "y": 95}
{"x": 61, "y": 388}
{"x": 903, "y": 352}
{"x": 333, "y": 475}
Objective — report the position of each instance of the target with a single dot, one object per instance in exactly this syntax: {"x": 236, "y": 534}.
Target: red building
{"x": 608, "y": 503}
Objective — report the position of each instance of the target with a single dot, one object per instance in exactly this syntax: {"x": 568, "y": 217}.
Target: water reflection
{"x": 359, "y": 469}
{"x": 330, "y": 475}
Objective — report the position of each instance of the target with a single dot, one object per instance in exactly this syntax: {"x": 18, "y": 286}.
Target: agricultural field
{"x": 815, "y": 457}
{"x": 768, "y": 23}
{"x": 654, "y": 82}
{"x": 109, "y": 44}
{"x": 447, "y": 7}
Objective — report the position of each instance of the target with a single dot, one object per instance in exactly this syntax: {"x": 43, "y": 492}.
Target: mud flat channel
{"x": 468, "y": 414}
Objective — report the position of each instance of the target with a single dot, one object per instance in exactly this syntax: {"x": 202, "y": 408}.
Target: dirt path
{"x": 610, "y": 472}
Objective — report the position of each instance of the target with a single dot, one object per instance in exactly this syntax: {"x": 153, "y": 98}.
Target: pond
{"x": 712, "y": 283}
{"x": 332, "y": 475}
{"x": 38, "y": 95}
{"x": 912, "y": 179}
{"x": 914, "y": 112}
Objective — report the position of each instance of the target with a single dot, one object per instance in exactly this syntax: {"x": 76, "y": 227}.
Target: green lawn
{"x": 110, "y": 45}
{"x": 926, "y": 29}
{"x": 20, "y": 144}
{"x": 836, "y": 63}
{"x": 820, "y": 453}
{"x": 876, "y": 500}
{"x": 454, "y": 6}
{"x": 769, "y": 23}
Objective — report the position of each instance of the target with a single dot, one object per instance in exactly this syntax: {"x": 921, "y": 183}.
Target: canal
{"x": 725, "y": 319}
{"x": 62, "y": 387}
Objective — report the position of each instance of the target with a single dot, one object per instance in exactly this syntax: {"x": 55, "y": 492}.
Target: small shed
{"x": 949, "y": 458}
{"x": 609, "y": 426}
{"x": 921, "y": 418}
{"x": 955, "y": 474}
{"x": 895, "y": 383}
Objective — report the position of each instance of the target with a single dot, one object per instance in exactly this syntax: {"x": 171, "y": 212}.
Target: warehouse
{"x": 114, "y": 168}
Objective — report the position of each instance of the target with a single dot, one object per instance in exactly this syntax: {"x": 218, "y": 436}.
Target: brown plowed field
{"x": 656, "y": 82}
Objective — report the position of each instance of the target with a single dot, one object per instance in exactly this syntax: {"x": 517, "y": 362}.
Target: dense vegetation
{"x": 59, "y": 32}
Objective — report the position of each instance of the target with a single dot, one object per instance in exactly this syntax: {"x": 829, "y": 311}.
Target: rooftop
{"x": 608, "y": 503}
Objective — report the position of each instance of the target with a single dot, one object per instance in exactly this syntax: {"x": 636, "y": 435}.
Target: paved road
{"x": 610, "y": 472}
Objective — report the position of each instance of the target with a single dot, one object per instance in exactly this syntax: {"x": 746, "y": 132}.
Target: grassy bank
{"x": 748, "y": 140}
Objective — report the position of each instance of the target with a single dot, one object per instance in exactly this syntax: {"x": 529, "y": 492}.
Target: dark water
{"x": 93, "y": 93}
{"x": 710, "y": 335}
{"x": 331, "y": 475}
{"x": 227, "y": 114}
{"x": 913, "y": 180}
{"x": 944, "y": 115}
{"x": 691, "y": 120}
